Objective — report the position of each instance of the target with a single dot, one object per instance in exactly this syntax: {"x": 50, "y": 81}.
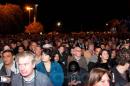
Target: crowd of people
{"x": 65, "y": 60}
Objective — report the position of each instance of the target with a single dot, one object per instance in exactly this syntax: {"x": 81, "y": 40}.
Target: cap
{"x": 47, "y": 46}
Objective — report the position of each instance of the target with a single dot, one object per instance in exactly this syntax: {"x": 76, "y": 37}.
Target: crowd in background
{"x": 68, "y": 59}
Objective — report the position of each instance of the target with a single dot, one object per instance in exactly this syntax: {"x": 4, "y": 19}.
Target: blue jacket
{"x": 56, "y": 74}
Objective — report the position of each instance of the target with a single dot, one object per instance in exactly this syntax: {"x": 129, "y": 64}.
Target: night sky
{"x": 78, "y": 14}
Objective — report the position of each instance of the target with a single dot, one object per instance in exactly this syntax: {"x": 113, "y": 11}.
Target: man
{"x": 14, "y": 47}
{"x": 77, "y": 56}
{"x": 8, "y": 67}
{"x": 28, "y": 76}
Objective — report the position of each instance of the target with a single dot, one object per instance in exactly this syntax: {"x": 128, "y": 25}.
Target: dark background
{"x": 77, "y": 15}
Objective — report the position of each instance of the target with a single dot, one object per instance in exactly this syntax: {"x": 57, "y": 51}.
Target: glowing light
{"x": 58, "y": 24}
{"x": 29, "y": 8}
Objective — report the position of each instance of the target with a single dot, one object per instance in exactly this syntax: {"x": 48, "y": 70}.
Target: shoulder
{"x": 57, "y": 67}
{"x": 16, "y": 80}
{"x": 39, "y": 74}
{"x": 42, "y": 78}
{"x": 70, "y": 58}
{"x": 39, "y": 64}
{"x": 82, "y": 59}
{"x": 54, "y": 63}
{"x": 16, "y": 77}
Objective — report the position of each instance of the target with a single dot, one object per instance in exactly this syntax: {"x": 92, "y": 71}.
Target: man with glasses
{"x": 78, "y": 58}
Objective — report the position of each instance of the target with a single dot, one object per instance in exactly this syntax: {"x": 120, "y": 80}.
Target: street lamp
{"x": 35, "y": 12}
{"x": 29, "y": 10}
{"x": 58, "y": 24}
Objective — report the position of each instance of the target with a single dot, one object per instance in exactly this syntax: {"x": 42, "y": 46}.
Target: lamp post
{"x": 29, "y": 10}
{"x": 35, "y": 12}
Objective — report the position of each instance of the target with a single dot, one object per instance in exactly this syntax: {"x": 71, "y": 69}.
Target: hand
{"x": 74, "y": 82}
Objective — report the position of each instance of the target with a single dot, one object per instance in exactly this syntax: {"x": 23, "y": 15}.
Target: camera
{"x": 5, "y": 79}
{"x": 74, "y": 77}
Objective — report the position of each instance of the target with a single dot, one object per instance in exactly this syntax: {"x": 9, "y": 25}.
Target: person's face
{"x": 72, "y": 51}
{"x": 61, "y": 49}
{"x": 126, "y": 45}
{"x": 26, "y": 67}
{"x": 113, "y": 54}
{"x": 56, "y": 57}
{"x": 33, "y": 45}
{"x": 20, "y": 50}
{"x": 18, "y": 43}
{"x": 25, "y": 43}
{"x": 97, "y": 51}
{"x": 45, "y": 57}
{"x": 103, "y": 46}
{"x": 104, "y": 55}
{"x": 91, "y": 47}
{"x": 126, "y": 66}
{"x": 105, "y": 81}
{"x": 13, "y": 45}
{"x": 38, "y": 51}
{"x": 78, "y": 52}
{"x": 7, "y": 58}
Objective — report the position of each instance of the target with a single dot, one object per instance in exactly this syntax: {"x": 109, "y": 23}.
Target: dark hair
{"x": 53, "y": 55}
{"x": 13, "y": 42}
{"x": 123, "y": 56}
{"x": 73, "y": 66}
{"x": 48, "y": 52}
{"x": 21, "y": 46}
{"x": 99, "y": 58}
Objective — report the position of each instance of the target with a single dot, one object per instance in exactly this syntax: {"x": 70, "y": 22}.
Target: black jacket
{"x": 119, "y": 80}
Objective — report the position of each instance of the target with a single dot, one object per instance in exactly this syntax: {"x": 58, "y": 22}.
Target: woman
{"x": 99, "y": 77}
{"x": 103, "y": 60}
{"x": 51, "y": 68}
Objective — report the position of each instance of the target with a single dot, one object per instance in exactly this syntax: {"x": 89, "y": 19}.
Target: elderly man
{"x": 77, "y": 56}
{"x": 28, "y": 76}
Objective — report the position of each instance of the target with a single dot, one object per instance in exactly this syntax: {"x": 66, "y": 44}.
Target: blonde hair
{"x": 25, "y": 55}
